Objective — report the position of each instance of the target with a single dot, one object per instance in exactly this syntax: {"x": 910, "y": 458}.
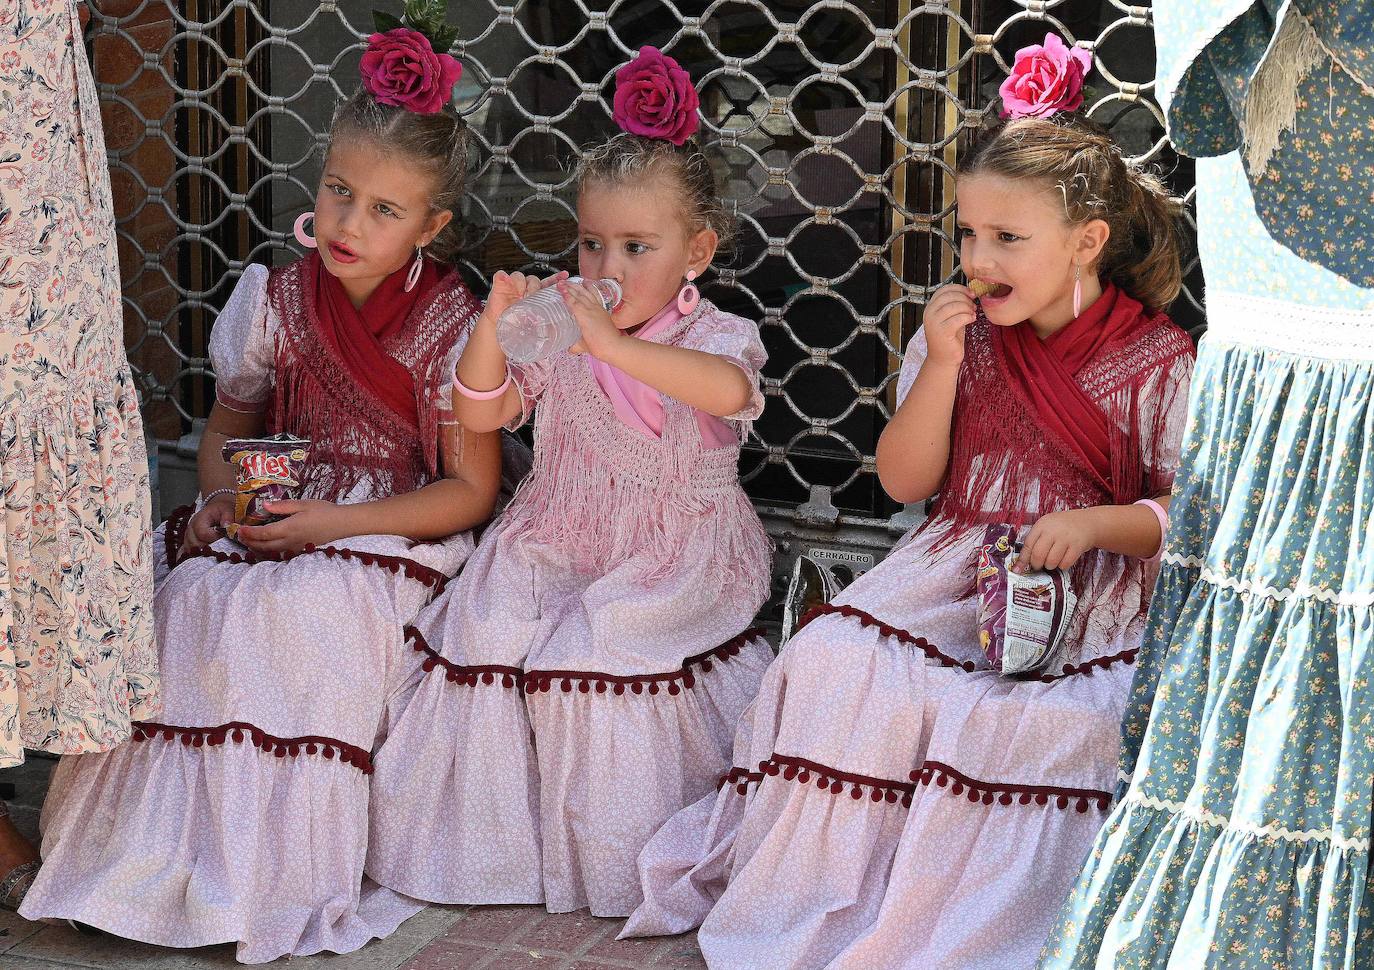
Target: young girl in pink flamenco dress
{"x": 587, "y": 668}
{"x": 898, "y": 801}
{"x": 241, "y": 813}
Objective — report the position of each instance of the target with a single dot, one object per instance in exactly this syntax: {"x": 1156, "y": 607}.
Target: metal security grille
{"x": 836, "y": 125}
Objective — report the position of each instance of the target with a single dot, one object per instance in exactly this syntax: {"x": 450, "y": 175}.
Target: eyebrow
{"x": 995, "y": 228}
{"x": 631, "y": 235}
{"x": 394, "y": 205}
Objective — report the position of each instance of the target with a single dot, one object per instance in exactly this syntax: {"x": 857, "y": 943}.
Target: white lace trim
{"x": 1341, "y": 334}
{"x": 1270, "y": 833}
{"x": 1245, "y": 587}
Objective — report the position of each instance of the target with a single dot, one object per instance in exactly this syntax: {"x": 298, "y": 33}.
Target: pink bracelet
{"x": 491, "y": 395}
{"x": 1163, "y": 517}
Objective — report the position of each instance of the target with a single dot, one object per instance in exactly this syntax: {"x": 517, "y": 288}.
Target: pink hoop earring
{"x": 302, "y": 237}
{"x": 1077, "y": 292}
{"x": 415, "y": 268}
{"x": 689, "y": 296}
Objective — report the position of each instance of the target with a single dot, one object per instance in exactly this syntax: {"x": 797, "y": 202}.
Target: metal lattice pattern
{"x": 836, "y": 125}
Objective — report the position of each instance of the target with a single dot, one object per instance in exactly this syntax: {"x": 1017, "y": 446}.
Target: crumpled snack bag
{"x": 1022, "y": 617}
{"x": 994, "y": 554}
{"x": 269, "y": 471}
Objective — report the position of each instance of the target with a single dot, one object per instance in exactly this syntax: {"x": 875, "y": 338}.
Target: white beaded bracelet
{"x": 216, "y": 494}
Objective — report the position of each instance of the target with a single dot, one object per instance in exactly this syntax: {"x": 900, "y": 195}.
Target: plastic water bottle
{"x": 542, "y": 324}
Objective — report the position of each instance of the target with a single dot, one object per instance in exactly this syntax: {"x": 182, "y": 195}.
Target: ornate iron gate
{"x": 836, "y": 123}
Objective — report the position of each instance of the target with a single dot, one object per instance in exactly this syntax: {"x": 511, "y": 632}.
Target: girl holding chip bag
{"x": 241, "y": 813}
{"x": 897, "y": 798}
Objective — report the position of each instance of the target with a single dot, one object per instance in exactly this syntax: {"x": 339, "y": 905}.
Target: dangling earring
{"x": 302, "y": 237}
{"x": 689, "y": 295}
{"x": 1077, "y": 291}
{"x": 415, "y": 268}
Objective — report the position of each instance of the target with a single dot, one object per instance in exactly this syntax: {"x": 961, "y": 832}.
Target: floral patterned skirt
{"x": 77, "y": 659}
{"x": 1242, "y": 834}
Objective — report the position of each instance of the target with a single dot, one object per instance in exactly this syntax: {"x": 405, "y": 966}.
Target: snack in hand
{"x": 1022, "y": 617}
{"x": 269, "y": 471}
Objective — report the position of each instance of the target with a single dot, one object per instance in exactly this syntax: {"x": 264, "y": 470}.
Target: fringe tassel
{"x": 604, "y": 512}
{"x": 354, "y": 437}
{"x": 1271, "y": 104}
{"x": 1006, "y": 469}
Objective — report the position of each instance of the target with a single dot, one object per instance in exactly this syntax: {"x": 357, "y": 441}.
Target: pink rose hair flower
{"x": 654, "y": 97}
{"x": 1045, "y": 80}
{"x": 400, "y": 68}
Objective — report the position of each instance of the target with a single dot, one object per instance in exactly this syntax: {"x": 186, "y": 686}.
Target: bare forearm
{"x": 213, "y": 471}
{"x": 913, "y": 452}
{"x": 701, "y": 380}
{"x": 462, "y": 499}
{"x": 1129, "y": 530}
{"x": 482, "y": 367}
{"x": 433, "y": 512}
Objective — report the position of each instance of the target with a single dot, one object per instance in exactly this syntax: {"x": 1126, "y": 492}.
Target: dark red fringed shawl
{"x": 361, "y": 385}
{"x": 1042, "y": 426}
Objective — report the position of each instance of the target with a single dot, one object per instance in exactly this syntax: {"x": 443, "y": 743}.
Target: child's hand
{"x": 599, "y": 333}
{"x": 307, "y": 522}
{"x": 208, "y": 524}
{"x": 947, "y": 315}
{"x": 1057, "y": 541}
{"x": 508, "y": 288}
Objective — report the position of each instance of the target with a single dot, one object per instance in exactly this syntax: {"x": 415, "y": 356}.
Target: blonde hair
{"x": 1079, "y": 161}
{"x": 630, "y": 158}
{"x": 437, "y": 143}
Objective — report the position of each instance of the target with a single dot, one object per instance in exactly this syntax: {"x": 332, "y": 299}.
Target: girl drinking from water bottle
{"x": 897, "y": 800}
{"x": 587, "y": 669}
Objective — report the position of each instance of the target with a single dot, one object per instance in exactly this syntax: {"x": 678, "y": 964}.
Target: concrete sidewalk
{"x": 440, "y": 938}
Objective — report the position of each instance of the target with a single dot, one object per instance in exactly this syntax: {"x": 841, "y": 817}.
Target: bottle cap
{"x": 617, "y": 292}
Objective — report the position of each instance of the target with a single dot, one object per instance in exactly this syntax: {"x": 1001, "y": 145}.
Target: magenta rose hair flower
{"x": 1045, "y": 80}
{"x": 655, "y": 97}
{"x": 400, "y": 68}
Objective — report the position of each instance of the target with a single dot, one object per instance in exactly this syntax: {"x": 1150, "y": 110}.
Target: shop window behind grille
{"x": 835, "y": 128}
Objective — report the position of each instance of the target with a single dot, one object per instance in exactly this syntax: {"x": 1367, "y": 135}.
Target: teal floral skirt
{"x": 1241, "y": 838}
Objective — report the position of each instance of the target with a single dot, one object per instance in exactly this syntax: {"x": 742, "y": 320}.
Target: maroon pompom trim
{"x": 858, "y": 787}
{"x": 837, "y": 782}
{"x": 241, "y": 731}
{"x": 459, "y": 674}
{"x": 931, "y": 651}
{"x": 584, "y": 681}
{"x": 673, "y": 682}
{"x": 740, "y": 778}
{"x": 987, "y": 792}
{"x": 178, "y": 521}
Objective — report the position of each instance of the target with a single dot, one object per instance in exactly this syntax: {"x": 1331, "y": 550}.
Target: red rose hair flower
{"x": 654, "y": 97}
{"x": 1045, "y": 80}
{"x": 400, "y": 68}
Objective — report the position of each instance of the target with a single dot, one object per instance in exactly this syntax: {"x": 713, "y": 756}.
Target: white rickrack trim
{"x": 1270, "y": 833}
{"x": 1245, "y": 587}
{"x": 1345, "y": 335}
